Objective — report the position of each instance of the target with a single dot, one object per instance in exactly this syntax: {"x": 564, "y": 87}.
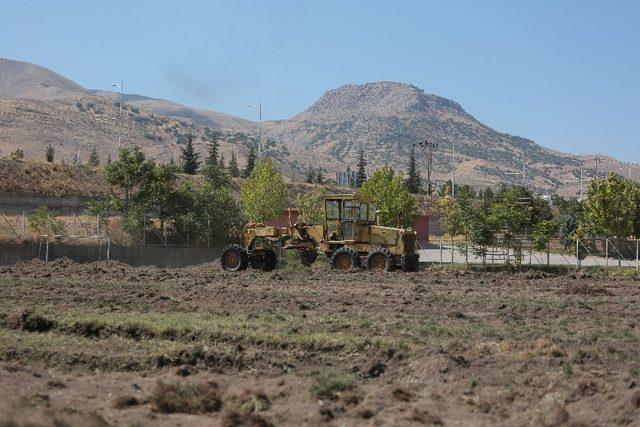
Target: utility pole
{"x": 259, "y": 127}
{"x": 428, "y": 147}
{"x": 453, "y": 169}
{"x": 121, "y": 86}
{"x": 597, "y": 160}
{"x": 581, "y": 180}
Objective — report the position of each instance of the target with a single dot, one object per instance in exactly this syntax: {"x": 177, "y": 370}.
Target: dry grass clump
{"x": 186, "y": 398}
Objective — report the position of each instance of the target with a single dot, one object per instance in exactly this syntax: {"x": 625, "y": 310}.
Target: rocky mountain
{"x": 39, "y": 107}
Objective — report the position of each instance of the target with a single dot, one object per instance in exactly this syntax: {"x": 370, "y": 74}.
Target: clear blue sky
{"x": 563, "y": 73}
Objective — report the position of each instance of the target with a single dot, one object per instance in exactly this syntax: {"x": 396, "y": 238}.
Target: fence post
{"x": 452, "y": 262}
{"x": 440, "y": 251}
{"x": 144, "y": 233}
{"x": 637, "y": 255}
{"x": 606, "y": 254}
{"x": 46, "y": 253}
{"x": 548, "y": 254}
{"x": 108, "y": 248}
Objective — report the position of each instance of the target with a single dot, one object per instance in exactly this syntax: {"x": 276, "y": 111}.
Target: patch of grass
{"x": 330, "y": 384}
{"x": 198, "y": 398}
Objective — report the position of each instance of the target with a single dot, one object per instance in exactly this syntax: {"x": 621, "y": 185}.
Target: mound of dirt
{"x": 582, "y": 288}
{"x": 186, "y": 398}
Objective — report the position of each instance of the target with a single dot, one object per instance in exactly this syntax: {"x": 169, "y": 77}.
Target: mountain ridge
{"x": 384, "y": 118}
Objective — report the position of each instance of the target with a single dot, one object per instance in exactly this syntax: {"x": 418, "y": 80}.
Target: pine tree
{"x": 212, "y": 160}
{"x": 50, "y": 154}
{"x": 311, "y": 176}
{"x": 234, "y": 171}
{"x": 413, "y": 176}
{"x": 251, "y": 163}
{"x": 221, "y": 163}
{"x": 94, "y": 160}
{"x": 319, "y": 176}
{"x": 361, "y": 173}
{"x": 189, "y": 156}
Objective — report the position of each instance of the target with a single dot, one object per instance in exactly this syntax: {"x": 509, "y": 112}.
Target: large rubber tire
{"x": 263, "y": 259}
{"x": 308, "y": 256}
{"x": 234, "y": 258}
{"x": 410, "y": 262}
{"x": 344, "y": 259}
{"x": 379, "y": 259}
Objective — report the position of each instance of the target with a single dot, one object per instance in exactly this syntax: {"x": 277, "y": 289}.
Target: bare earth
{"x": 107, "y": 344}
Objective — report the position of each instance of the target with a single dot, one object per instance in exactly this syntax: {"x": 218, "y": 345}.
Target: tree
{"x": 102, "y": 209}
{"x": 251, "y": 163}
{"x": 216, "y": 211}
{"x": 128, "y": 171}
{"x": 413, "y": 176}
{"x": 158, "y": 193}
{"x": 319, "y": 176}
{"x": 213, "y": 151}
{"x": 221, "y": 162}
{"x": 264, "y": 193}
{"x": 44, "y": 221}
{"x": 610, "y": 208}
{"x": 361, "y": 172}
{"x": 310, "y": 206}
{"x": 17, "y": 155}
{"x": 388, "y": 190}
{"x": 234, "y": 171}
{"x": 50, "y": 153}
{"x": 189, "y": 156}
{"x": 311, "y": 176}
{"x": 94, "y": 160}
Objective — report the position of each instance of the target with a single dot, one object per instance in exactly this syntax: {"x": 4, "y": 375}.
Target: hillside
{"x": 39, "y": 107}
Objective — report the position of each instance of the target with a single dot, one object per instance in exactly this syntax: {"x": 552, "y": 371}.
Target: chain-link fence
{"x": 594, "y": 252}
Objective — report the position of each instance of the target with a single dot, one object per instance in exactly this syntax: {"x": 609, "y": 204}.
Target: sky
{"x": 563, "y": 73}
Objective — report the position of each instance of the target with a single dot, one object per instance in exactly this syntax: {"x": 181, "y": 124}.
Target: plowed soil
{"x": 108, "y": 344}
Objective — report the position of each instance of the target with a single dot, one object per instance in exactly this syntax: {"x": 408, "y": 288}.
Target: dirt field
{"x": 107, "y": 344}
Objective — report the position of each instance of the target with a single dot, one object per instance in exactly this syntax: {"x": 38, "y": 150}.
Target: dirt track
{"x": 89, "y": 344}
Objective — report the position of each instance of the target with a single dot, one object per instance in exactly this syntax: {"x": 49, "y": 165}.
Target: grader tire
{"x": 308, "y": 256}
{"x": 344, "y": 259}
{"x": 263, "y": 259}
{"x": 379, "y": 259}
{"x": 234, "y": 258}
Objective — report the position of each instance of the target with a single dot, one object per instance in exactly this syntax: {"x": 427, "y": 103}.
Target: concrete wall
{"x": 173, "y": 256}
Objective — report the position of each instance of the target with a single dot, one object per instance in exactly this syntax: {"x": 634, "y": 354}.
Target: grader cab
{"x": 350, "y": 237}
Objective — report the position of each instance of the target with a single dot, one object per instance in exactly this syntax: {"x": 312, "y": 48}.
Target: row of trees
{"x": 515, "y": 214}
{"x": 215, "y": 162}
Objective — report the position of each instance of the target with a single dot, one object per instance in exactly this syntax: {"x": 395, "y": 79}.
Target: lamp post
{"x": 259, "y": 127}
{"x": 121, "y": 87}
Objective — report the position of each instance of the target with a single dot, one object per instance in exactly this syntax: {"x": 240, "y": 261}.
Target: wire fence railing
{"x": 586, "y": 252}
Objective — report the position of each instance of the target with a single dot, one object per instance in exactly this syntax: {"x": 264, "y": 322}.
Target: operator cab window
{"x": 350, "y": 210}
{"x": 372, "y": 212}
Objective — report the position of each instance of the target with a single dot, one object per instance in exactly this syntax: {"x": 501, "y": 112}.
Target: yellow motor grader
{"x": 350, "y": 236}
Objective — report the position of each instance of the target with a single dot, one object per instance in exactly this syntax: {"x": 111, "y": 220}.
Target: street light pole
{"x": 259, "y": 127}
{"x": 453, "y": 169}
{"x": 121, "y": 86}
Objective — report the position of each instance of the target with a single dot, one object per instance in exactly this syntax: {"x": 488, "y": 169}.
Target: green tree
{"x": 264, "y": 193}
{"x": 215, "y": 211}
{"x": 212, "y": 159}
{"x": 103, "y": 209}
{"x": 310, "y": 206}
{"x": 50, "y": 153}
{"x": 233, "y": 168}
{"x": 361, "y": 171}
{"x": 44, "y": 221}
{"x": 251, "y": 163}
{"x": 413, "y": 176}
{"x": 543, "y": 232}
{"x": 319, "y": 176}
{"x": 189, "y": 157}
{"x": 128, "y": 171}
{"x": 94, "y": 160}
{"x": 158, "y": 193}
{"x": 17, "y": 155}
{"x": 221, "y": 162}
{"x": 390, "y": 193}
{"x": 610, "y": 208}
{"x": 311, "y": 176}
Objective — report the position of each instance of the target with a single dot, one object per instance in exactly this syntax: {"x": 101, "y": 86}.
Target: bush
{"x": 43, "y": 221}
{"x": 330, "y": 384}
